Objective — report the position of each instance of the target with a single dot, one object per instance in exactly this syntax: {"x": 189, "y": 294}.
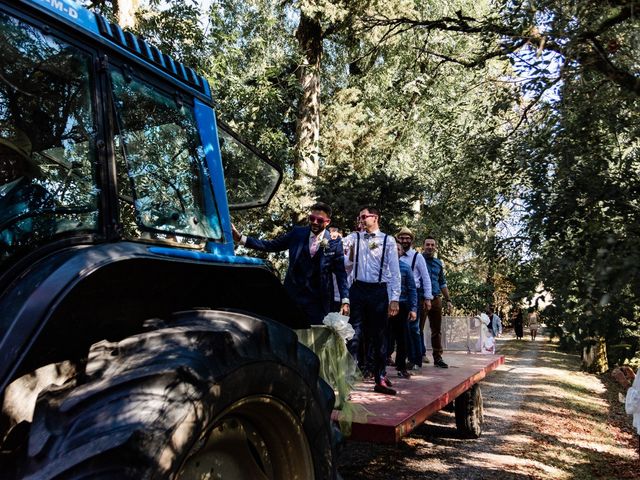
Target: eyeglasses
{"x": 364, "y": 216}
{"x": 317, "y": 219}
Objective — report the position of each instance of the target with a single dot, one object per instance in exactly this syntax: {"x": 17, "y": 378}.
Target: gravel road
{"x": 533, "y": 429}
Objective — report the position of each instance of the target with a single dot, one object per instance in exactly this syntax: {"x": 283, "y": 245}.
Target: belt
{"x": 370, "y": 284}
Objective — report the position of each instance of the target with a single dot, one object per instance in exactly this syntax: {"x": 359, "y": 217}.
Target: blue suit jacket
{"x": 331, "y": 262}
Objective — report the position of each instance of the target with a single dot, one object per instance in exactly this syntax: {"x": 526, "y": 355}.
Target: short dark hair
{"x": 430, "y": 237}
{"x": 323, "y": 207}
{"x": 372, "y": 209}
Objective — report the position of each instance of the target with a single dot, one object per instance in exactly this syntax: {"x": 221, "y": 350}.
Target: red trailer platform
{"x": 391, "y": 417}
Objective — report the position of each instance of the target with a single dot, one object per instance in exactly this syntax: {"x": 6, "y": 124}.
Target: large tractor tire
{"x": 469, "y": 413}
{"x": 209, "y": 394}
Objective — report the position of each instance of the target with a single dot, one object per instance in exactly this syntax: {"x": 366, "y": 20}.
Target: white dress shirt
{"x": 420, "y": 271}
{"x": 336, "y": 292}
{"x": 369, "y": 257}
{"x": 313, "y": 238}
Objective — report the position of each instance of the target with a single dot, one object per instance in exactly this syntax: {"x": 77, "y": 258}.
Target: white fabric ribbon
{"x": 632, "y": 402}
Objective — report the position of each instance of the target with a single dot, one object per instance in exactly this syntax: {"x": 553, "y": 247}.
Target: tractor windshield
{"x": 163, "y": 181}
{"x": 47, "y": 126}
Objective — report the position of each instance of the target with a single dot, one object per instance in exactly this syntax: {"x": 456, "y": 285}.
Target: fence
{"x": 459, "y": 333}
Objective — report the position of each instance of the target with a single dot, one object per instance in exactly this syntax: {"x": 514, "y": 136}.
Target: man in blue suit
{"x": 313, "y": 259}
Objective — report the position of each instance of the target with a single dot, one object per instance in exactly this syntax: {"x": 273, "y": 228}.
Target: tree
{"x": 584, "y": 219}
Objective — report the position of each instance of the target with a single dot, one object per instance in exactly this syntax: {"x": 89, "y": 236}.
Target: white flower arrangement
{"x": 373, "y": 245}
{"x": 340, "y": 324}
{"x": 324, "y": 244}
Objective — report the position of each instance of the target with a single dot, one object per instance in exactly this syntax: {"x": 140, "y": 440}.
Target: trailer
{"x": 387, "y": 419}
{"x": 378, "y": 418}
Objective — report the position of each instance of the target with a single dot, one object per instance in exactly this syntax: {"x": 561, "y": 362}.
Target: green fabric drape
{"x": 337, "y": 368}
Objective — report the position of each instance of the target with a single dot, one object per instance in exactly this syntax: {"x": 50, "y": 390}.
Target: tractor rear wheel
{"x": 208, "y": 394}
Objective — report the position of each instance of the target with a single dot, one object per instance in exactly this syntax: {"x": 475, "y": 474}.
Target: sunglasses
{"x": 317, "y": 219}
{"x": 364, "y": 216}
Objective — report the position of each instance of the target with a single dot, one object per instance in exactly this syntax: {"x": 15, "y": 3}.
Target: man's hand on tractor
{"x": 236, "y": 234}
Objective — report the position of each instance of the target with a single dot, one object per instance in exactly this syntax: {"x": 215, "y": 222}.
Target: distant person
{"x": 375, "y": 292}
{"x": 416, "y": 349}
{"x": 532, "y": 321}
{"x": 439, "y": 289}
{"x": 518, "y": 323}
{"x": 496, "y": 322}
{"x": 313, "y": 257}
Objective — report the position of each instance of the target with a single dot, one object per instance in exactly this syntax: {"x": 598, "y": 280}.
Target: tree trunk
{"x": 125, "y": 12}
{"x": 309, "y": 35}
{"x": 594, "y": 355}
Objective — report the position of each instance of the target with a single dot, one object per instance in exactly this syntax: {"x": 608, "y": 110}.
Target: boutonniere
{"x": 373, "y": 245}
{"x": 324, "y": 244}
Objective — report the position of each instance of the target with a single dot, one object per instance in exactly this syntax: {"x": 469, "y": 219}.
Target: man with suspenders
{"x": 416, "y": 347}
{"x": 375, "y": 291}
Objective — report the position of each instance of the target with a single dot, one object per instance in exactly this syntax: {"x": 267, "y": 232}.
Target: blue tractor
{"x": 134, "y": 344}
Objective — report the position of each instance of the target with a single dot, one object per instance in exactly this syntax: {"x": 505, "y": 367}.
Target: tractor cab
{"x": 103, "y": 138}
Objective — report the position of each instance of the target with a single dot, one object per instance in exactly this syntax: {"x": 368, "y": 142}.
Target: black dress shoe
{"x": 404, "y": 374}
{"x": 383, "y": 387}
{"x": 386, "y": 379}
{"x": 440, "y": 363}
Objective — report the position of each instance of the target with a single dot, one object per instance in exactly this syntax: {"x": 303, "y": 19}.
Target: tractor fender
{"x": 67, "y": 301}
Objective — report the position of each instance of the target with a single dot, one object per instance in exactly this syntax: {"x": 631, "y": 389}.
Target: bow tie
{"x": 367, "y": 236}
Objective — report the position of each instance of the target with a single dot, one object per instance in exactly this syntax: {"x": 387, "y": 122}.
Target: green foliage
{"x": 471, "y": 291}
{"x": 348, "y": 191}
{"x": 583, "y": 181}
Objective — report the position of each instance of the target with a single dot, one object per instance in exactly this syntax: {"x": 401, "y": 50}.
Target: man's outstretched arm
{"x": 276, "y": 245}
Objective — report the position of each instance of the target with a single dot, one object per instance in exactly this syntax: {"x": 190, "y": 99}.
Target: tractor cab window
{"x": 250, "y": 178}
{"x": 164, "y": 188}
{"x": 47, "y": 174}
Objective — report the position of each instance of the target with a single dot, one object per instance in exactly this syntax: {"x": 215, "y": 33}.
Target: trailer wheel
{"x": 469, "y": 413}
{"x": 210, "y": 394}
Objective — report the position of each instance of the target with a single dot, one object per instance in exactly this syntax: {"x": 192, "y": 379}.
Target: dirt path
{"x": 544, "y": 419}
